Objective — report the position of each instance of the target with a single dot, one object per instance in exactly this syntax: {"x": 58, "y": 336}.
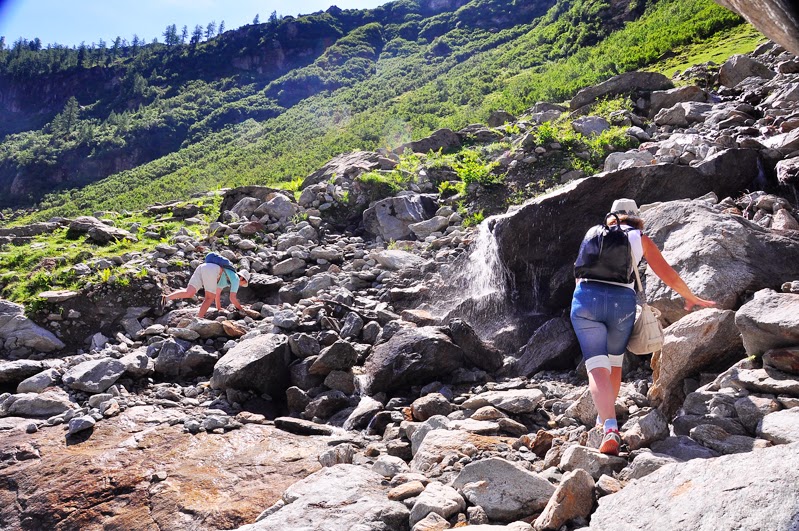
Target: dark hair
{"x": 627, "y": 219}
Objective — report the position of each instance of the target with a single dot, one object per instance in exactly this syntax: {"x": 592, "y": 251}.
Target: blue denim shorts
{"x": 602, "y": 316}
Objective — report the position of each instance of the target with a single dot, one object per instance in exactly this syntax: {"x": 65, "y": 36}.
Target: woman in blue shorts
{"x": 603, "y": 314}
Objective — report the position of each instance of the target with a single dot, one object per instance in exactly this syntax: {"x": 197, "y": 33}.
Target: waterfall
{"x": 484, "y": 275}
{"x": 476, "y": 287}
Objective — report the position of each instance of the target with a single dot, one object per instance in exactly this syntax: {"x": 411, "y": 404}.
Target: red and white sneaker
{"x": 610, "y": 443}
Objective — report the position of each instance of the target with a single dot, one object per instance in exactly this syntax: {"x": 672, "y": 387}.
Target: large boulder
{"x": 46, "y": 404}
{"x": 258, "y": 364}
{"x": 94, "y": 376}
{"x": 763, "y": 486}
{"x": 391, "y": 218}
{"x": 13, "y": 372}
{"x": 663, "y": 99}
{"x": 720, "y": 256}
{"x": 347, "y": 166}
{"x": 539, "y": 241}
{"x": 627, "y": 83}
{"x": 19, "y": 332}
{"x": 777, "y": 19}
{"x": 504, "y": 490}
{"x": 444, "y": 139}
{"x": 340, "y": 497}
{"x": 739, "y": 67}
{"x": 553, "y": 346}
{"x": 704, "y": 340}
{"x": 769, "y": 321}
{"x": 413, "y": 356}
{"x": 97, "y": 231}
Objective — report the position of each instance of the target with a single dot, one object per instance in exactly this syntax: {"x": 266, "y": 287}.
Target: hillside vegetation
{"x": 185, "y": 124}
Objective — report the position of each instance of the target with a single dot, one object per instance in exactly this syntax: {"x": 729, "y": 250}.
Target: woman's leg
{"x": 187, "y": 293}
{"x": 601, "y": 385}
{"x": 207, "y": 301}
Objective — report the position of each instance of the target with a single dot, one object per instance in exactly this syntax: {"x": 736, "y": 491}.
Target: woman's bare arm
{"x": 668, "y": 275}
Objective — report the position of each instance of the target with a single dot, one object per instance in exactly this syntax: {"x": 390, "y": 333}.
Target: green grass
{"x": 717, "y": 49}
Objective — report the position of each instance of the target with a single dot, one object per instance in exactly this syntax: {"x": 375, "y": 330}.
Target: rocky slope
{"x": 420, "y": 375}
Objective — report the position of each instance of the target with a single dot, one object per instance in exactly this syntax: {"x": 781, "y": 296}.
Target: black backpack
{"x": 605, "y": 254}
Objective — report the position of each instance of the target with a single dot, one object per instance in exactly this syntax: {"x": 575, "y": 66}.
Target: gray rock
{"x": 351, "y": 326}
{"x": 423, "y": 229}
{"x": 630, "y": 158}
{"x": 699, "y": 341}
{"x": 769, "y": 381}
{"x": 45, "y": 404}
{"x": 288, "y": 266}
{"x": 18, "y": 370}
{"x": 444, "y": 139}
{"x": 390, "y": 218}
{"x": 781, "y": 427}
{"x": 513, "y": 401}
{"x": 412, "y": 356}
{"x": 762, "y": 485}
{"x": 719, "y": 440}
{"x": 39, "y": 382}
{"x": 590, "y": 460}
{"x": 279, "y": 207}
{"x": 338, "y": 498}
{"x": 644, "y": 464}
{"x": 302, "y": 427}
{"x": 429, "y": 405}
{"x": 341, "y": 454}
{"x": 326, "y": 404}
{"x": 590, "y": 125}
{"x": 739, "y": 67}
{"x": 138, "y": 363}
{"x": 94, "y": 376}
{"x": 479, "y": 353}
{"x": 304, "y": 345}
{"x": 574, "y": 498}
{"x": 175, "y": 360}
{"x": 663, "y": 99}
{"x": 395, "y": 260}
{"x": 259, "y": 364}
{"x": 437, "y": 498}
{"x": 17, "y": 331}
{"x": 341, "y": 355}
{"x": 504, "y": 490}
{"x": 553, "y": 346}
{"x": 770, "y": 320}
{"x": 583, "y": 409}
{"x": 627, "y": 83}
{"x": 751, "y": 409}
{"x": 683, "y": 448}
{"x": 81, "y": 423}
{"x": 645, "y": 428}
{"x": 389, "y": 466}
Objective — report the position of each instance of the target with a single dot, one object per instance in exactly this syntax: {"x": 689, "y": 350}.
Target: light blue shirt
{"x": 228, "y": 278}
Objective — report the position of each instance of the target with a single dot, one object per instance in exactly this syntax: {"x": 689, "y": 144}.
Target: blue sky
{"x": 70, "y": 22}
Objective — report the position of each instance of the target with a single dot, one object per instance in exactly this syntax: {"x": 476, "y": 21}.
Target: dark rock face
{"x": 532, "y": 240}
{"x": 413, "y": 356}
{"x": 777, "y": 19}
{"x": 554, "y": 345}
{"x": 258, "y": 364}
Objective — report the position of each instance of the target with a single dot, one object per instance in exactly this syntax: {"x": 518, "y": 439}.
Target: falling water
{"x": 477, "y": 285}
{"x": 485, "y": 276}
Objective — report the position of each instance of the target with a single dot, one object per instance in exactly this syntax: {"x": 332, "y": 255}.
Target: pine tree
{"x": 221, "y": 28}
{"x": 116, "y": 46}
{"x": 184, "y": 34}
{"x": 134, "y": 45}
{"x": 273, "y": 19}
{"x": 256, "y": 20}
{"x": 210, "y": 30}
{"x": 197, "y": 35}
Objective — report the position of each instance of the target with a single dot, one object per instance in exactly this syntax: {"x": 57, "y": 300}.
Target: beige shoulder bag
{"x": 647, "y": 336}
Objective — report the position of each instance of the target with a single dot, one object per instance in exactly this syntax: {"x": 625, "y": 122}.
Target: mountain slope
{"x": 378, "y": 85}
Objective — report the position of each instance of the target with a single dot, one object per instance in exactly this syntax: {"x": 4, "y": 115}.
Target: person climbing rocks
{"x": 213, "y": 278}
{"x": 604, "y": 306}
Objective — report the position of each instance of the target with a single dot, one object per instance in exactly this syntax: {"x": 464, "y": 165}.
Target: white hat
{"x": 245, "y": 275}
{"x": 624, "y": 206}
